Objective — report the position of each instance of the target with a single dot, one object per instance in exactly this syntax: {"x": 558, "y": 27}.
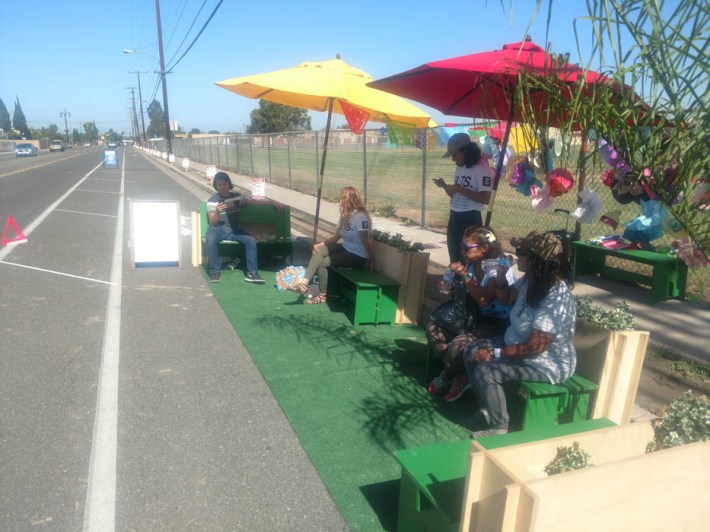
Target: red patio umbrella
{"x": 483, "y": 85}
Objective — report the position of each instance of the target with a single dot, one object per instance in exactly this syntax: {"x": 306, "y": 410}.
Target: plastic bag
{"x": 290, "y": 277}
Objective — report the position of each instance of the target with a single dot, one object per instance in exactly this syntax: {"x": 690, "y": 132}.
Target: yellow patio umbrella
{"x": 332, "y": 86}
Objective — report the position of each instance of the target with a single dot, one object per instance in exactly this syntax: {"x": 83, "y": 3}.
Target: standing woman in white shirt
{"x": 354, "y": 252}
{"x": 470, "y": 193}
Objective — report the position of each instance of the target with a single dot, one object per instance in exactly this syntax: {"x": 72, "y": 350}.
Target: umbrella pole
{"x": 322, "y": 169}
{"x": 501, "y": 159}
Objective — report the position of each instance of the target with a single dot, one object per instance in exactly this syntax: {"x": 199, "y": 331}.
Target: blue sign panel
{"x": 110, "y": 159}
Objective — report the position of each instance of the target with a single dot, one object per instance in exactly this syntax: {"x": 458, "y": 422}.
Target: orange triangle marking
{"x": 19, "y": 239}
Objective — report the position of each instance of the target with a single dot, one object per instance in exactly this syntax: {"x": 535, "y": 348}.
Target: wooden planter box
{"x": 409, "y": 268}
{"x": 613, "y": 360}
{"x": 625, "y": 489}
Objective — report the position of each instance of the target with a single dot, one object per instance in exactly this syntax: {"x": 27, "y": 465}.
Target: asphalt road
{"x": 127, "y": 401}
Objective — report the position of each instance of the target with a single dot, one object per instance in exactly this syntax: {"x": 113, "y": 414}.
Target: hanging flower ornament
{"x": 560, "y": 181}
{"x": 522, "y": 177}
{"x": 690, "y": 253}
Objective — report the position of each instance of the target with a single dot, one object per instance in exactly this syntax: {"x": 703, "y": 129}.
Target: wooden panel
{"x": 661, "y": 491}
{"x": 527, "y": 461}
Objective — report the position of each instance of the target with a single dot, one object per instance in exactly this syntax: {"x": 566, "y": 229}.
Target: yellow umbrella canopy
{"x": 332, "y": 86}
{"x": 314, "y": 85}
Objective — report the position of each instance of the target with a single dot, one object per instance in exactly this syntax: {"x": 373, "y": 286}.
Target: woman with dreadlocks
{"x": 538, "y": 345}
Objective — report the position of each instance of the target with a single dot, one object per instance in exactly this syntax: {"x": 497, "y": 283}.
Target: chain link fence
{"x": 397, "y": 180}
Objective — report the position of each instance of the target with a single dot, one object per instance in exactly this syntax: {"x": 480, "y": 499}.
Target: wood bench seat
{"x": 535, "y": 405}
{"x": 269, "y": 226}
{"x": 433, "y": 477}
{"x": 667, "y": 280}
{"x": 373, "y": 295}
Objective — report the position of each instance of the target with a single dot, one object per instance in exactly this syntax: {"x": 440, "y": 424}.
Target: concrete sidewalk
{"x": 682, "y": 326}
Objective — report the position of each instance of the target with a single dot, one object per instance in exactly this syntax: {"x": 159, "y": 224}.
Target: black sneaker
{"x": 214, "y": 277}
{"x": 254, "y": 277}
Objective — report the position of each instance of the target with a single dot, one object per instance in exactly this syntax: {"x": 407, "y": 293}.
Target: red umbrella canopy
{"x": 482, "y": 85}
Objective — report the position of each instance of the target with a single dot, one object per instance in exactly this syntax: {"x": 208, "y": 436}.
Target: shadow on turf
{"x": 383, "y": 497}
{"x": 402, "y": 406}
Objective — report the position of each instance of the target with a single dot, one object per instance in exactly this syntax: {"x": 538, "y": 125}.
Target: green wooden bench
{"x": 667, "y": 280}
{"x": 434, "y": 477}
{"x": 269, "y": 226}
{"x": 536, "y": 405}
{"x": 374, "y": 295}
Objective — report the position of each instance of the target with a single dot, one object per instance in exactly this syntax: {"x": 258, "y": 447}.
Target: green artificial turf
{"x": 352, "y": 395}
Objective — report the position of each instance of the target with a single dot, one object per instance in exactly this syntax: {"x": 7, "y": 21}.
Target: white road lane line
{"x": 100, "y": 509}
{"x": 33, "y": 225}
{"x": 55, "y": 272}
{"x": 82, "y": 212}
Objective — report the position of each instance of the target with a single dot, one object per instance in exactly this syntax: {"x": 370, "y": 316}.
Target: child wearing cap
{"x": 470, "y": 193}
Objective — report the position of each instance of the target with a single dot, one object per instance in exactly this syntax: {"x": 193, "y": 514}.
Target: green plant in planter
{"x": 618, "y": 319}
{"x": 568, "y": 459}
{"x": 396, "y": 241}
{"x": 686, "y": 420}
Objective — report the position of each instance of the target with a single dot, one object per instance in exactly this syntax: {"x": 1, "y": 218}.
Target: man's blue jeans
{"x": 217, "y": 233}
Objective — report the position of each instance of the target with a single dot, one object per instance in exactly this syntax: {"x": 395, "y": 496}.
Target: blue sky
{"x": 67, "y": 55}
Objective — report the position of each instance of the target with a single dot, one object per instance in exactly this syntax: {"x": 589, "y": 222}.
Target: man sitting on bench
{"x": 223, "y": 216}
{"x": 538, "y": 345}
{"x": 355, "y": 251}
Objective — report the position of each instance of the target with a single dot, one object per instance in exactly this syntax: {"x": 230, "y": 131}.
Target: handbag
{"x": 454, "y": 314}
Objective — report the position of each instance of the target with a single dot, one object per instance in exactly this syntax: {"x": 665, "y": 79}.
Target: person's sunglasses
{"x": 470, "y": 246}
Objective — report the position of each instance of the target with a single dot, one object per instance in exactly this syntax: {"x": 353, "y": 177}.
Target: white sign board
{"x": 258, "y": 188}
{"x": 155, "y": 233}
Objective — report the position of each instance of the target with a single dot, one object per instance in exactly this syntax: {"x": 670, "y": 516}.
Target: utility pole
{"x": 136, "y": 134}
{"x": 162, "y": 76}
{"x": 140, "y": 102}
{"x": 65, "y": 114}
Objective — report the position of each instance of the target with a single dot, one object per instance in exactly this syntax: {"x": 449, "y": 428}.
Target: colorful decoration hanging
{"x": 541, "y": 200}
{"x": 560, "y": 181}
{"x": 356, "y": 117}
{"x": 690, "y": 253}
{"x": 402, "y": 134}
{"x": 611, "y": 218}
{"x": 589, "y": 207}
{"x": 522, "y": 177}
{"x": 648, "y": 225}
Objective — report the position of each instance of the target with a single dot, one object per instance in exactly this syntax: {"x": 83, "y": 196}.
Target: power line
{"x": 198, "y": 35}
{"x": 188, "y": 31}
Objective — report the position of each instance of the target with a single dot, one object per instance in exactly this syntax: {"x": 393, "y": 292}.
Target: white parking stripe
{"x": 100, "y": 509}
{"x": 54, "y": 272}
{"x": 81, "y": 212}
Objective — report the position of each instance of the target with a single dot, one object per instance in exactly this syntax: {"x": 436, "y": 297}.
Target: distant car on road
{"x": 112, "y": 144}
{"x": 87, "y": 144}
{"x": 25, "y": 149}
{"x": 56, "y": 145}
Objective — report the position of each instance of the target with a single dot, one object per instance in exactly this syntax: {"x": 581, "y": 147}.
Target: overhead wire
{"x": 194, "y": 20}
{"x": 214, "y": 11}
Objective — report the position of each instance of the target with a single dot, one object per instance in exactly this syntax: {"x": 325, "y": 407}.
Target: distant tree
{"x": 194, "y": 131}
{"x": 90, "y": 131}
{"x": 19, "y": 122}
{"x": 157, "y": 120}
{"x": 53, "y": 131}
{"x": 76, "y": 135}
{"x": 273, "y": 118}
{"x": 5, "y": 123}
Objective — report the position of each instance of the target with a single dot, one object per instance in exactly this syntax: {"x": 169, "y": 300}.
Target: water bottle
{"x": 446, "y": 280}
